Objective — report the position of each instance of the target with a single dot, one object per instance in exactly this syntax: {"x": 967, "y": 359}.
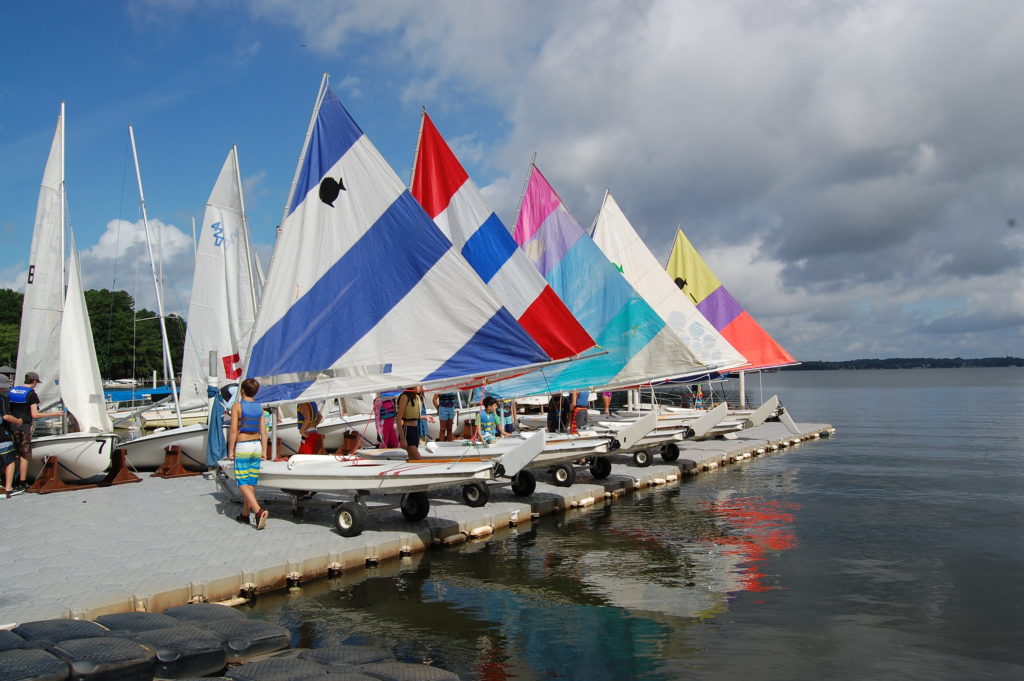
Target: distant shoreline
{"x": 908, "y": 363}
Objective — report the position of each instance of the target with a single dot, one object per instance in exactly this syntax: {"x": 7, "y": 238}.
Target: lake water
{"x": 894, "y": 550}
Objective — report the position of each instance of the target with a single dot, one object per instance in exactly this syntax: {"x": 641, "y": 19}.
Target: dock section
{"x": 166, "y": 542}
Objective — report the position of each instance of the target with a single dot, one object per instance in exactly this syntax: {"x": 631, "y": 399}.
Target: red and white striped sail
{"x": 453, "y": 200}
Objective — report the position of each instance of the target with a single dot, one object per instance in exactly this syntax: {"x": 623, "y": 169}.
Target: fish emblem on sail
{"x": 445, "y": 190}
{"x": 330, "y": 189}
{"x": 343, "y": 309}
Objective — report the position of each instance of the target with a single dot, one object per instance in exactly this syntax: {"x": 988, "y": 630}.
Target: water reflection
{"x": 608, "y": 593}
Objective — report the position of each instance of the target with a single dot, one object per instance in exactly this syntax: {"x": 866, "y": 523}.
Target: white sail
{"x": 620, "y": 243}
{"x": 80, "y": 384}
{"x": 223, "y": 302}
{"x": 39, "y": 343}
{"x": 358, "y": 274}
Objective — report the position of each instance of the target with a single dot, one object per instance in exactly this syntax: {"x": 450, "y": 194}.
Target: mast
{"x": 522, "y": 194}
{"x": 63, "y": 200}
{"x": 416, "y": 155}
{"x": 168, "y": 366}
{"x": 245, "y": 226}
{"x": 324, "y": 84}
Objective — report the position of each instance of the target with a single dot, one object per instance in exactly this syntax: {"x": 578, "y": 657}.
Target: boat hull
{"x": 80, "y": 455}
{"x": 147, "y": 452}
{"x": 327, "y": 473}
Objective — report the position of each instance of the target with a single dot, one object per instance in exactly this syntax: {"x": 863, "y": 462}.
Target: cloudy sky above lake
{"x": 852, "y": 171}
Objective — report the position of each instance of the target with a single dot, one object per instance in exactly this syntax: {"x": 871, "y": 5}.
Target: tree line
{"x": 910, "y": 363}
{"x": 127, "y": 340}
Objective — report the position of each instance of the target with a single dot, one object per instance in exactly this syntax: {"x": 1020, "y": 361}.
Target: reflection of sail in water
{"x": 755, "y": 527}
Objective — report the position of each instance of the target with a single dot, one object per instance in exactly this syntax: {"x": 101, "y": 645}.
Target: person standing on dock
{"x": 445, "y": 404}
{"x": 247, "y": 446}
{"x": 410, "y": 409}
{"x": 8, "y": 457}
{"x": 385, "y": 410}
{"x": 24, "y": 403}
{"x": 580, "y": 404}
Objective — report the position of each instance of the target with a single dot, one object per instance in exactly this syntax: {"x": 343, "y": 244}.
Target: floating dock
{"x": 167, "y": 542}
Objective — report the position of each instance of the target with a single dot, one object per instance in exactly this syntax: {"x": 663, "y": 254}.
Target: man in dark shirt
{"x": 7, "y": 454}
{"x": 24, "y": 403}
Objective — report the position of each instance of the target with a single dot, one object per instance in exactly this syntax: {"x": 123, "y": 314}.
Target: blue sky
{"x": 852, "y": 178}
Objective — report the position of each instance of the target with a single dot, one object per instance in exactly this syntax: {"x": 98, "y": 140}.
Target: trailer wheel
{"x": 670, "y": 452}
{"x": 475, "y": 494}
{"x": 350, "y": 519}
{"x": 564, "y": 475}
{"x": 524, "y": 483}
{"x": 600, "y": 467}
{"x": 642, "y": 458}
{"x": 415, "y": 506}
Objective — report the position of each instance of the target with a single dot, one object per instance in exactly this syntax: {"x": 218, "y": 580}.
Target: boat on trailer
{"x": 385, "y": 472}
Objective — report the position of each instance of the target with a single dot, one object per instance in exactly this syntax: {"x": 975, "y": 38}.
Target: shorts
{"x": 7, "y": 454}
{"x": 510, "y": 427}
{"x": 445, "y": 413}
{"x": 606, "y": 394}
{"x": 412, "y": 435}
{"x": 312, "y": 443}
{"x": 247, "y": 462}
{"x": 23, "y": 442}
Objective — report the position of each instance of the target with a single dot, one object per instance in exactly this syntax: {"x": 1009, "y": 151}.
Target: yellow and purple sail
{"x": 694, "y": 278}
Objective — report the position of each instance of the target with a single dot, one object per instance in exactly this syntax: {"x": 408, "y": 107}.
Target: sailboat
{"x": 57, "y": 335}
{"x": 356, "y": 264}
{"x": 222, "y": 309}
{"x": 640, "y": 345}
{"x": 695, "y": 279}
{"x": 443, "y": 187}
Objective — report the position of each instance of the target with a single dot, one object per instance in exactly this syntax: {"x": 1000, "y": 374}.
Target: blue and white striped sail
{"x": 364, "y": 291}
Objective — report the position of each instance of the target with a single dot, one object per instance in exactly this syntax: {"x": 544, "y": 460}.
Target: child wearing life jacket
{"x": 385, "y": 410}
{"x": 309, "y": 418}
{"x": 489, "y": 422}
{"x": 247, "y": 446}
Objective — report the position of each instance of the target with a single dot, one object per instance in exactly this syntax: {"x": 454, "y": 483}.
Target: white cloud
{"x": 851, "y": 165}
{"x": 120, "y": 261}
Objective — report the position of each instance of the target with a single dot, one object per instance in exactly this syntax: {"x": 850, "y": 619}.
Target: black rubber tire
{"x": 670, "y": 452}
{"x": 642, "y": 458}
{"x": 564, "y": 475}
{"x": 415, "y": 506}
{"x": 475, "y": 494}
{"x": 600, "y": 467}
{"x": 350, "y": 519}
{"x": 524, "y": 483}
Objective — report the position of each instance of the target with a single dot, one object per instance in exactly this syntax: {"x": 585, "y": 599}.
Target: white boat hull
{"x": 80, "y": 455}
{"x": 147, "y": 452}
{"x": 328, "y": 473}
{"x": 558, "y": 448}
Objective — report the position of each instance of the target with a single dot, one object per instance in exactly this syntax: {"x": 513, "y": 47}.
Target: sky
{"x": 853, "y": 171}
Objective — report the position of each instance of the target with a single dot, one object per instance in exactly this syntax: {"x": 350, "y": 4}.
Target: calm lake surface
{"x": 894, "y": 550}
